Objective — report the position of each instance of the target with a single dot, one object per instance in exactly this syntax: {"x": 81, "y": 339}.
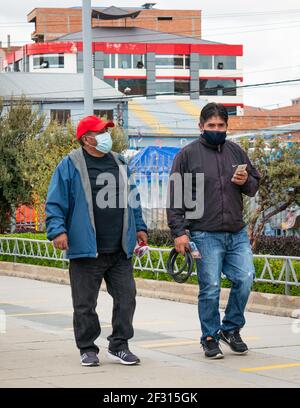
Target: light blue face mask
{"x": 104, "y": 142}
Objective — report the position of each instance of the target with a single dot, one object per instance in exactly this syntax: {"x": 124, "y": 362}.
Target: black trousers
{"x": 86, "y": 275}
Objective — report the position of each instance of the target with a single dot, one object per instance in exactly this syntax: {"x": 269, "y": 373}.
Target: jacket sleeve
{"x": 251, "y": 186}
{"x": 137, "y": 210}
{"x": 176, "y": 214}
{"x": 57, "y": 202}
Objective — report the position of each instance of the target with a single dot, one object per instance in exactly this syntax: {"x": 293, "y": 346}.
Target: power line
{"x": 203, "y": 14}
{"x": 127, "y": 97}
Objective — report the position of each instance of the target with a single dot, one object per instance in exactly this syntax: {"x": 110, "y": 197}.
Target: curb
{"x": 267, "y": 303}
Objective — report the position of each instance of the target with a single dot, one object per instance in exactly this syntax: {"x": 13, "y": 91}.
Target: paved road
{"x": 38, "y": 350}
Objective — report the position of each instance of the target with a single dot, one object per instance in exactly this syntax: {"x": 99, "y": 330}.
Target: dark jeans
{"x": 231, "y": 254}
{"x": 86, "y": 275}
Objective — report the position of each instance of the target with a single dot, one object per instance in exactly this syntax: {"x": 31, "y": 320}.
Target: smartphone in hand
{"x": 241, "y": 167}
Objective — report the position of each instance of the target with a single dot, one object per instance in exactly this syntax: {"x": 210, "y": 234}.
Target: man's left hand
{"x": 142, "y": 236}
{"x": 240, "y": 177}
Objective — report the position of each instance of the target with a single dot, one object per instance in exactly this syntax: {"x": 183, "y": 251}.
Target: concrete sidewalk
{"x": 38, "y": 349}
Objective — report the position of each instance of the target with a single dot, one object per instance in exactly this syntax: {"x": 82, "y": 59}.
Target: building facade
{"x": 144, "y": 63}
{"x": 52, "y": 23}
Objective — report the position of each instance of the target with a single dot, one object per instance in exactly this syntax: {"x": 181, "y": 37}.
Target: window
{"x": 132, "y": 86}
{"x": 60, "y": 115}
{"x": 179, "y": 86}
{"x": 172, "y": 61}
{"x": 226, "y": 62}
{"x": 109, "y": 114}
{"x": 205, "y": 62}
{"x": 124, "y": 61}
{"x": 164, "y": 18}
{"x": 232, "y": 110}
{"x": 128, "y": 61}
{"x": 110, "y": 81}
{"x": 138, "y": 61}
{"x": 109, "y": 60}
{"x": 48, "y": 61}
{"x": 217, "y": 87}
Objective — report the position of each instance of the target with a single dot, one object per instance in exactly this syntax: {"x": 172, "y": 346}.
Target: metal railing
{"x": 155, "y": 261}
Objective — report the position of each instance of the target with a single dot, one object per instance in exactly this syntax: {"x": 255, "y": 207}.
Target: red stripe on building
{"x": 222, "y": 77}
{"x": 53, "y": 48}
{"x": 120, "y": 48}
{"x": 172, "y": 77}
{"x": 126, "y": 76}
{"x": 217, "y": 49}
{"x": 233, "y": 104}
{"x": 135, "y": 48}
{"x": 169, "y": 48}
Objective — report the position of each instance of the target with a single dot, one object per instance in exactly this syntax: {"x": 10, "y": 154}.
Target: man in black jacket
{"x": 217, "y": 229}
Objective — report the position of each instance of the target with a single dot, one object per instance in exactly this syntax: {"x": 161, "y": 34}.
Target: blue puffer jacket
{"x": 69, "y": 208}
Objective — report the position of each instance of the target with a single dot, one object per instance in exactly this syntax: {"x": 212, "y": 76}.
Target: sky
{"x": 268, "y": 30}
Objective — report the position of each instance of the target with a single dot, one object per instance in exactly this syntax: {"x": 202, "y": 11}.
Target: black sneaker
{"x": 123, "y": 357}
{"x": 212, "y": 350}
{"x": 234, "y": 341}
{"x": 89, "y": 359}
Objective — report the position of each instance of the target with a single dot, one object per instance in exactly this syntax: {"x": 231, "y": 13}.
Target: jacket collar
{"x": 211, "y": 146}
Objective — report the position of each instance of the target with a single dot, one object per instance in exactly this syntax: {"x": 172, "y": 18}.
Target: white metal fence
{"x": 155, "y": 261}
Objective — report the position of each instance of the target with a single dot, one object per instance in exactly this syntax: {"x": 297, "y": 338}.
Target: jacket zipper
{"x": 222, "y": 192}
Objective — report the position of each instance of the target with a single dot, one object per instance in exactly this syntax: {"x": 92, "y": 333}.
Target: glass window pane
{"x": 134, "y": 86}
{"x": 138, "y": 61}
{"x": 165, "y": 86}
{"x": 113, "y": 60}
{"x": 124, "y": 61}
{"x": 48, "y": 61}
{"x": 169, "y": 61}
{"x": 182, "y": 86}
{"x": 225, "y": 62}
{"x": 187, "y": 61}
{"x": 106, "y": 61}
{"x": 107, "y": 114}
{"x": 232, "y": 110}
{"x": 60, "y": 115}
{"x": 110, "y": 81}
{"x": 217, "y": 87}
{"x": 205, "y": 62}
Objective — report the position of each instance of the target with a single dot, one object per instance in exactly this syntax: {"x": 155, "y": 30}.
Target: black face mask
{"x": 214, "y": 137}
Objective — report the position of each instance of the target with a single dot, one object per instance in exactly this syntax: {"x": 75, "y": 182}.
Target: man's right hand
{"x": 61, "y": 242}
{"x": 182, "y": 243}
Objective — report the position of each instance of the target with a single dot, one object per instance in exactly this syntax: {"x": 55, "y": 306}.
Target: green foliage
{"x": 17, "y": 124}
{"x": 276, "y": 266}
{"x": 279, "y": 167}
{"x": 29, "y": 153}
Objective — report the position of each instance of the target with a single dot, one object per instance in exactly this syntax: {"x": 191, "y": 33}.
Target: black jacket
{"x": 223, "y": 203}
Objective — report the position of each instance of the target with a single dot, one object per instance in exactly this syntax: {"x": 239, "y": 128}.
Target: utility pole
{"x": 87, "y": 57}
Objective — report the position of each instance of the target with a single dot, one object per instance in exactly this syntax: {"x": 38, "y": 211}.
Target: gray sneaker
{"x": 89, "y": 359}
{"x": 123, "y": 357}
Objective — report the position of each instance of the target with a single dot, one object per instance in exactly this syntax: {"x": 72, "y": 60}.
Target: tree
{"x": 18, "y": 122}
{"x": 279, "y": 166}
{"x": 46, "y": 151}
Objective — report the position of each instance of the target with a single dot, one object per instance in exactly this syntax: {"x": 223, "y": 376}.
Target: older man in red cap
{"x": 99, "y": 236}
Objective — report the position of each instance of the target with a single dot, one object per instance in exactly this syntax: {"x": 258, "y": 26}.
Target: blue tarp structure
{"x": 153, "y": 159}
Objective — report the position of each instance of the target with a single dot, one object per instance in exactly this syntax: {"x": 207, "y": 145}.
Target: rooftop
{"x": 49, "y": 87}
{"x": 134, "y": 34}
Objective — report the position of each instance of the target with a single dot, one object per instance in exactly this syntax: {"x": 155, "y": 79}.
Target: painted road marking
{"x": 38, "y": 314}
{"x": 270, "y": 367}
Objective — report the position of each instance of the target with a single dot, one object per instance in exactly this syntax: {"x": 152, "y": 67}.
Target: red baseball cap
{"x": 91, "y": 124}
